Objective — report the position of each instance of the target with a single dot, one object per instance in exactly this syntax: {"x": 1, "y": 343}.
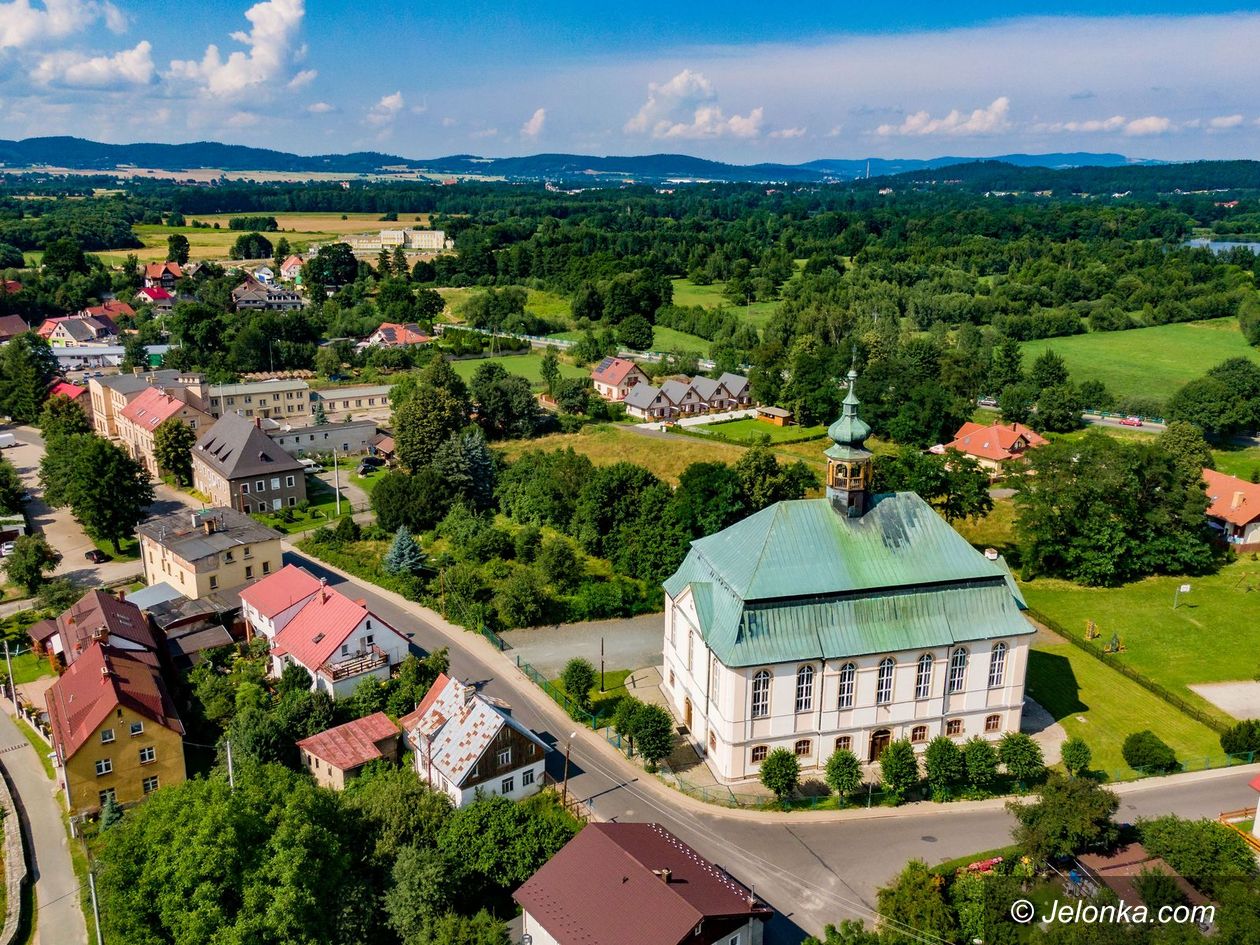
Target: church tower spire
{"x": 848, "y": 461}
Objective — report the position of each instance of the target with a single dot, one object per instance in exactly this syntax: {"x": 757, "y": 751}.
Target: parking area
{"x": 629, "y": 643}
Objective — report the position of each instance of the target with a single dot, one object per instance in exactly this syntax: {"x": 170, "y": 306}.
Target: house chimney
{"x": 1240, "y": 499}
{"x": 258, "y": 422}
{"x": 664, "y": 875}
{"x": 991, "y": 553}
{"x": 323, "y": 590}
{"x": 208, "y": 524}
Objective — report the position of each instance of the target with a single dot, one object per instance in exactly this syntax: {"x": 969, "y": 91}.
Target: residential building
{"x": 291, "y": 269}
{"x": 614, "y": 378}
{"x": 268, "y": 605}
{"x": 394, "y": 335}
{"x": 339, "y": 642}
{"x": 684, "y": 399}
{"x": 115, "y": 731}
{"x": 162, "y": 275}
{"x": 431, "y": 240}
{"x": 110, "y": 395}
{"x": 237, "y": 465}
{"x": 10, "y": 286}
{"x": 187, "y": 627}
{"x": 203, "y": 553}
{"x": 736, "y": 387}
{"x": 283, "y": 398}
{"x": 110, "y": 308}
{"x": 11, "y": 326}
{"x": 1234, "y": 510}
{"x": 648, "y": 403}
{"x": 465, "y": 743}
{"x": 348, "y": 438}
{"x": 73, "y": 393}
{"x": 264, "y": 275}
{"x": 255, "y": 296}
{"x": 383, "y": 445}
{"x": 632, "y": 883}
{"x": 840, "y": 622}
{"x": 148, "y": 411}
{"x": 336, "y": 755}
{"x": 995, "y": 445}
{"x": 343, "y": 403}
{"x": 80, "y": 331}
{"x": 158, "y": 298}
{"x": 96, "y": 617}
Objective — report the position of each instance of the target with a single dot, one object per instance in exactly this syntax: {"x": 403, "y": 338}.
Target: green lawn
{"x": 1238, "y": 462}
{"x": 527, "y": 365}
{"x": 1147, "y": 362}
{"x": 751, "y": 430}
{"x": 28, "y": 667}
{"x": 663, "y": 339}
{"x": 368, "y": 483}
{"x": 1094, "y": 702}
{"x": 41, "y": 747}
{"x": 130, "y": 548}
{"x": 322, "y": 510}
{"x": 1212, "y": 636}
{"x": 687, "y": 292}
{"x": 603, "y": 704}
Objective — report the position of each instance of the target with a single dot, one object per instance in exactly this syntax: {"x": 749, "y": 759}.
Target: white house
{"x": 614, "y": 378}
{"x": 841, "y": 622}
{"x": 466, "y": 744}
{"x": 270, "y": 604}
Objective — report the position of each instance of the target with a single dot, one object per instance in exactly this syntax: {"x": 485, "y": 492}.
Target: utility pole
{"x": 601, "y": 664}
{"x": 336, "y": 482}
{"x": 564, "y": 791}
{"x": 9, "y": 663}
{"x": 231, "y": 773}
{"x": 96, "y": 912}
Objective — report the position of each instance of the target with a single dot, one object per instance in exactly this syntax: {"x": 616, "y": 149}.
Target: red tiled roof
{"x": 605, "y": 888}
{"x": 1234, "y": 500}
{"x": 612, "y": 370}
{"x": 49, "y": 324}
{"x": 999, "y": 441}
{"x": 280, "y": 591}
{"x": 412, "y": 718}
{"x": 152, "y": 407}
{"x": 108, "y": 309}
{"x": 353, "y": 744}
{"x": 10, "y": 287}
{"x": 11, "y": 326}
{"x": 102, "y": 679}
{"x": 66, "y": 389}
{"x": 392, "y": 333}
{"x": 156, "y": 270}
{"x": 155, "y": 294}
{"x": 99, "y": 612}
{"x": 290, "y": 262}
{"x": 317, "y": 631}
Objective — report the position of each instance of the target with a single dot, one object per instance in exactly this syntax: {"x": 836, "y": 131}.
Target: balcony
{"x": 374, "y": 658}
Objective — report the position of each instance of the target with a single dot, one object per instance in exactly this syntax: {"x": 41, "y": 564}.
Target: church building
{"x": 841, "y": 622}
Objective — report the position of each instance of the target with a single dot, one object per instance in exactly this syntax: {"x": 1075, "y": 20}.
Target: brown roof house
{"x": 616, "y": 377}
{"x": 97, "y": 617}
{"x": 1235, "y": 509}
{"x": 465, "y": 743}
{"x": 629, "y": 884}
{"x": 996, "y": 444}
{"x": 337, "y": 755}
{"x": 237, "y": 465}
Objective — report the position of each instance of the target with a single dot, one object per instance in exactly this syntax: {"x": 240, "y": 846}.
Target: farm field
{"x": 548, "y": 305}
{"x": 320, "y": 222}
{"x": 750, "y": 430}
{"x": 528, "y": 366}
{"x": 687, "y": 292}
{"x": 1212, "y": 636}
{"x": 1147, "y": 362}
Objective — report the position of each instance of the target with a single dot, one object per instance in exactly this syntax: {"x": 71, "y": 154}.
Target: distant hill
{"x": 81, "y": 154}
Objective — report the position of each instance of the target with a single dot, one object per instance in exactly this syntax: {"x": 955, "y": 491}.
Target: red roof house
{"x": 109, "y": 309}
{"x": 10, "y": 287}
{"x": 1234, "y": 509}
{"x": 629, "y": 883}
{"x": 164, "y": 274}
{"x": 97, "y": 616}
{"x": 155, "y": 295}
{"x": 993, "y": 445}
{"x": 336, "y": 755}
{"x": 271, "y": 603}
{"x": 11, "y": 326}
{"x": 614, "y": 377}
{"x": 70, "y": 391}
{"x": 393, "y": 335}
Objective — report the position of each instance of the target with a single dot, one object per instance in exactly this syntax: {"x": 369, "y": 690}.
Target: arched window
{"x": 805, "y": 688}
{"x": 803, "y": 748}
{"x": 761, "y": 694}
{"x": 993, "y": 723}
{"x": 953, "y": 727}
{"x": 957, "y": 670}
{"x": 997, "y": 665}
{"x": 884, "y": 681}
{"x": 691, "y": 648}
{"x": 918, "y": 733}
{"x": 923, "y": 677}
{"x": 714, "y": 677}
{"x": 759, "y": 753}
{"x": 844, "y": 743}
{"x": 712, "y": 742}
{"x": 848, "y": 676}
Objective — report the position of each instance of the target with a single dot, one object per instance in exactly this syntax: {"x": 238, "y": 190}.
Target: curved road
{"x": 814, "y": 868}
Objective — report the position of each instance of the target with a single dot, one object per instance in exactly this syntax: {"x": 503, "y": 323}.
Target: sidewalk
{"x": 59, "y": 918}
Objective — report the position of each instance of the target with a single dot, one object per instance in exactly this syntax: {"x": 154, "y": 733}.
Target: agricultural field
{"x": 528, "y": 366}
{"x": 687, "y": 292}
{"x": 1147, "y": 362}
{"x": 319, "y": 222}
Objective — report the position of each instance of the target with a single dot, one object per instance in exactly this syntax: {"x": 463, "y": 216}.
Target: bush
{"x": 1076, "y": 756}
{"x": 654, "y": 730}
{"x": 1208, "y": 854}
{"x": 844, "y": 772}
{"x": 1145, "y": 751}
{"x": 578, "y": 679}
{"x": 898, "y": 768}
{"x": 1242, "y": 738}
{"x": 1022, "y": 757}
{"x": 945, "y": 766}
{"x": 982, "y": 761}
{"x": 781, "y": 772}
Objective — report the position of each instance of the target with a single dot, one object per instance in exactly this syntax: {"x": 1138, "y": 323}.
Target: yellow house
{"x": 115, "y": 730}
{"x": 201, "y": 553}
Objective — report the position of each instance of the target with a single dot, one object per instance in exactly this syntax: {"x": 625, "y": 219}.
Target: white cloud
{"x": 982, "y": 121}
{"x": 788, "y": 133}
{"x": 1089, "y": 126}
{"x": 1226, "y": 121}
{"x": 22, "y": 24}
{"x": 686, "y": 107}
{"x": 72, "y": 70}
{"x": 485, "y": 133}
{"x": 386, "y": 110}
{"x": 242, "y": 120}
{"x": 449, "y": 122}
{"x": 320, "y": 108}
{"x": 302, "y": 79}
{"x": 271, "y": 53}
{"x": 1150, "y": 125}
{"x": 534, "y": 125}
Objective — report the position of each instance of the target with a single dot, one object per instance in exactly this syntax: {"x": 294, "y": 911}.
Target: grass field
{"x": 750, "y": 430}
{"x": 1099, "y": 705}
{"x": 528, "y": 366}
{"x": 1212, "y": 636}
{"x": 687, "y": 292}
{"x": 1147, "y": 362}
{"x": 549, "y": 305}
{"x": 1238, "y": 462}
{"x": 663, "y": 339}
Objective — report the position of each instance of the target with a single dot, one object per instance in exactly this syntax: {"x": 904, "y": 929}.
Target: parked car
{"x": 988, "y": 402}
{"x": 7, "y": 440}
{"x": 371, "y": 461}
{"x": 6, "y": 549}
{"x": 96, "y": 556}
{"x": 1131, "y": 422}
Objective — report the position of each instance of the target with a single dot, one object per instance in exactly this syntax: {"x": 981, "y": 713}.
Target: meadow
{"x": 687, "y": 292}
{"x": 1147, "y": 362}
{"x": 528, "y": 366}
{"x": 750, "y": 430}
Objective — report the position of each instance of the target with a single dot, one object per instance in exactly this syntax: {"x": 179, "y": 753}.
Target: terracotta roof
{"x": 392, "y": 333}
{"x": 155, "y": 294}
{"x": 612, "y": 370}
{"x": 96, "y": 613}
{"x": 10, "y": 287}
{"x": 999, "y": 441}
{"x": 108, "y": 309}
{"x": 290, "y": 262}
{"x": 353, "y": 744}
{"x": 409, "y": 720}
{"x": 157, "y": 270}
{"x": 66, "y": 389}
{"x": 317, "y": 631}
{"x": 152, "y": 407}
{"x": 11, "y": 326}
{"x": 97, "y": 683}
{"x": 607, "y": 886}
{"x": 278, "y": 592}
{"x": 1234, "y": 500}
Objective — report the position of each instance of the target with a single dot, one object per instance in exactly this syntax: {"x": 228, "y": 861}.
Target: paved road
{"x": 813, "y": 868}
{"x": 60, "y": 920}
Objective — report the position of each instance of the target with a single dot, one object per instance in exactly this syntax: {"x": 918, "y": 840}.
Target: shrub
{"x": 1076, "y": 756}
{"x": 1145, "y": 751}
{"x": 1021, "y": 756}
{"x": 982, "y": 761}
{"x": 654, "y": 729}
{"x": 844, "y": 772}
{"x": 781, "y": 772}
{"x": 898, "y": 768}
{"x": 1208, "y": 854}
{"x": 943, "y": 760}
{"x": 578, "y": 679}
{"x": 1242, "y": 738}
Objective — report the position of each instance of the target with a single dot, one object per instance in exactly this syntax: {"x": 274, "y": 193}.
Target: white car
{"x": 6, "y": 549}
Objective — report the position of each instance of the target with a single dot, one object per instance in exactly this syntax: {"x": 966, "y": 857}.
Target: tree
{"x": 946, "y": 769}
{"x": 913, "y": 908}
{"x": 848, "y": 932}
{"x": 625, "y": 720}
{"x": 333, "y": 265}
{"x": 31, "y": 558}
{"x": 177, "y": 248}
{"x": 780, "y": 772}
{"x": 111, "y": 813}
{"x": 467, "y": 469}
{"x": 1207, "y": 853}
{"x": 383, "y": 265}
{"x": 294, "y": 678}
{"x": 1070, "y": 815}
{"x": 898, "y": 768}
{"x": 281, "y": 253}
{"x": 1076, "y": 756}
{"x": 27, "y": 368}
{"x": 107, "y": 491}
{"x": 404, "y": 556}
{"x": 560, "y": 564}
{"x": 1015, "y": 403}
{"x": 327, "y": 364}
{"x": 11, "y": 487}
{"x": 60, "y": 417}
{"x": 764, "y": 482}
{"x": 981, "y": 760}
{"x": 1209, "y": 404}
{"x": 1185, "y": 443}
{"x": 63, "y": 258}
{"x": 318, "y": 415}
{"x": 709, "y": 497}
{"x": 550, "y": 369}
{"x": 635, "y": 333}
{"x": 135, "y": 353}
{"x": 1242, "y": 738}
{"x": 505, "y": 402}
{"x": 1059, "y": 409}
{"x": 954, "y": 483}
{"x": 1146, "y": 752}
{"x": 578, "y": 680}
{"x": 422, "y": 890}
{"x": 1006, "y": 367}
{"x": 521, "y": 600}
{"x": 654, "y": 729}
{"x": 426, "y": 421}
{"x": 399, "y": 809}
{"x": 844, "y": 772}
{"x": 1022, "y": 757}
{"x": 1049, "y": 370}
{"x": 573, "y": 395}
{"x": 251, "y": 246}
{"x": 173, "y": 441}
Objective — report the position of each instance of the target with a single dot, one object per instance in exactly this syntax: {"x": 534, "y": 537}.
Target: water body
{"x": 1222, "y": 246}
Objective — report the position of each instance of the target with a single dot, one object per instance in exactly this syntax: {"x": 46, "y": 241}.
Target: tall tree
{"x": 31, "y": 558}
{"x": 550, "y": 369}
{"x": 404, "y": 556}
{"x": 1049, "y": 370}
{"x": 177, "y": 248}
{"x": 27, "y": 368}
{"x": 107, "y": 491}
{"x": 467, "y": 468}
{"x": 426, "y": 421}
{"x": 173, "y": 442}
{"x": 1069, "y": 815}
{"x": 62, "y": 417}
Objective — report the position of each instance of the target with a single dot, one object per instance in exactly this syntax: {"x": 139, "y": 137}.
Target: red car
{"x": 1131, "y": 422}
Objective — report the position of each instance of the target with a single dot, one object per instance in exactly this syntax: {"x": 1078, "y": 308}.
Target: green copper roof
{"x": 850, "y": 429}
{"x": 798, "y": 581}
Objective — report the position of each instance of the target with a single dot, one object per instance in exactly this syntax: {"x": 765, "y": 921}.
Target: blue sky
{"x": 727, "y": 80}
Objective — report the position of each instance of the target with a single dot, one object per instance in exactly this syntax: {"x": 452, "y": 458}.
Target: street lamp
{"x": 564, "y": 791}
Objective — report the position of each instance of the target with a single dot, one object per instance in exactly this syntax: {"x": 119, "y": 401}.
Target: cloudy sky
{"x": 732, "y": 80}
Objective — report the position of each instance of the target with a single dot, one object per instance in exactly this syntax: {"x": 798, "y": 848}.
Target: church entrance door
{"x": 879, "y": 741}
